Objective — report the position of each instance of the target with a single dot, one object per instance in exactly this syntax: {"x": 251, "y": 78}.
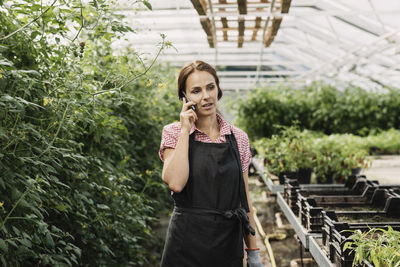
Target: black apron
{"x": 207, "y": 223}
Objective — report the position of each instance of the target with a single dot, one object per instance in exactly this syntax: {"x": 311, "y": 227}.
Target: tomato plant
{"x": 80, "y": 128}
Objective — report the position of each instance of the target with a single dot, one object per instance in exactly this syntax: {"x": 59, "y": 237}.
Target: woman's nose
{"x": 206, "y": 94}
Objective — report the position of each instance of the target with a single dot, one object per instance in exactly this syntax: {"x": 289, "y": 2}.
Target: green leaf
{"x": 16, "y": 230}
{"x": 34, "y": 34}
{"x": 103, "y": 207}
{"x": 94, "y": 3}
{"x": 2, "y": 184}
{"x": 61, "y": 207}
{"x": 12, "y": 243}
{"x": 48, "y": 240}
{"x": 33, "y": 72}
{"x": 3, "y": 245}
{"x": 346, "y": 246}
{"x": 5, "y": 62}
{"x": 26, "y": 242}
{"x": 147, "y": 4}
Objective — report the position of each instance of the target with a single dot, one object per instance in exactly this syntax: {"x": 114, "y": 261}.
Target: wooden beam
{"x": 256, "y": 28}
{"x": 276, "y": 23}
{"x": 269, "y": 41}
{"x": 225, "y": 28}
{"x": 241, "y": 32}
{"x": 201, "y": 8}
{"x": 258, "y": 21}
{"x": 285, "y": 6}
{"x": 236, "y": 29}
{"x": 210, "y": 41}
{"x": 224, "y": 20}
{"x": 242, "y": 5}
{"x": 272, "y": 31}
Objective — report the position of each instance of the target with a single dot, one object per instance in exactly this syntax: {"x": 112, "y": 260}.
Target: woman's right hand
{"x": 187, "y": 116}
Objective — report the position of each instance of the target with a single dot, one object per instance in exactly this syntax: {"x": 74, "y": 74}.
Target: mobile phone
{"x": 188, "y": 100}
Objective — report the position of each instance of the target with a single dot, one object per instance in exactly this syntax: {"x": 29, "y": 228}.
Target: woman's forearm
{"x": 250, "y": 239}
{"x": 176, "y": 167}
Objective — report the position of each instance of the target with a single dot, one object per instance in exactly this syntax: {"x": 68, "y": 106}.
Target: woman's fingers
{"x": 186, "y": 105}
{"x": 188, "y": 117}
{"x": 189, "y": 114}
{"x": 194, "y": 114}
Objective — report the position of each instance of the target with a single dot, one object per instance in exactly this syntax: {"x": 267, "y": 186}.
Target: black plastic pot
{"x": 304, "y": 175}
{"x": 328, "y": 179}
{"x": 355, "y": 171}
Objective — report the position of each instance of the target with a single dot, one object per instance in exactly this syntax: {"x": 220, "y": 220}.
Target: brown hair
{"x": 189, "y": 68}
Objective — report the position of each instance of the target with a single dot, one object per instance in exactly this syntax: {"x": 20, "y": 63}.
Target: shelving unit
{"x": 317, "y": 252}
{"x": 308, "y": 240}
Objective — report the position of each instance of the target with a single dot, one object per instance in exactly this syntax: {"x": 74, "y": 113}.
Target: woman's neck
{"x": 209, "y": 125}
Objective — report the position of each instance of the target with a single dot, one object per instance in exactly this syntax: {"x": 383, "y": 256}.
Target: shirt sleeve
{"x": 244, "y": 148}
{"x": 245, "y": 152}
{"x": 169, "y": 139}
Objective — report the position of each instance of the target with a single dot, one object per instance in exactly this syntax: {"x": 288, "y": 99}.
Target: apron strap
{"x": 242, "y": 186}
{"x": 238, "y": 213}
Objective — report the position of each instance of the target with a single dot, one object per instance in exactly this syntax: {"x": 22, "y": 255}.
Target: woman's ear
{"x": 219, "y": 93}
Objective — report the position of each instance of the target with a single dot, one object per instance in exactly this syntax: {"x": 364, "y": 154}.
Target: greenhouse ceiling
{"x": 295, "y": 42}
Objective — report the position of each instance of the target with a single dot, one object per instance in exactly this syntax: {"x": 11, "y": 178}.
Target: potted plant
{"x": 336, "y": 159}
{"x": 302, "y": 153}
{"x": 278, "y": 159}
{"x": 288, "y": 155}
{"x": 376, "y": 247}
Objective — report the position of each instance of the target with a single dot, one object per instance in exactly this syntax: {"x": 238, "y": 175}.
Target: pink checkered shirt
{"x": 171, "y": 132}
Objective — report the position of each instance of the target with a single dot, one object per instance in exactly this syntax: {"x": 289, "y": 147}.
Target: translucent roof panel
{"x": 340, "y": 41}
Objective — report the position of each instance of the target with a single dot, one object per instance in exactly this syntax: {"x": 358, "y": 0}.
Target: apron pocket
{"x": 174, "y": 240}
{"x": 212, "y": 243}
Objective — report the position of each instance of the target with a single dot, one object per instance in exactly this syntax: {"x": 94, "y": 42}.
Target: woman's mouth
{"x": 207, "y": 106}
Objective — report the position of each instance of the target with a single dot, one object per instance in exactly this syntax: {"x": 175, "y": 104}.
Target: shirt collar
{"x": 224, "y": 127}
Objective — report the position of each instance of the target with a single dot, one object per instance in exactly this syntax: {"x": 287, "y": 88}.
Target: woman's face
{"x": 202, "y": 89}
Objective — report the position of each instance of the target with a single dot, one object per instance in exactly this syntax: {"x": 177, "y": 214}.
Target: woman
{"x": 203, "y": 159}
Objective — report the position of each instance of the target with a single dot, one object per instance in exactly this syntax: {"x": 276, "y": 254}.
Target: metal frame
{"x": 306, "y": 50}
{"x": 318, "y": 255}
{"x": 308, "y": 240}
{"x": 302, "y": 234}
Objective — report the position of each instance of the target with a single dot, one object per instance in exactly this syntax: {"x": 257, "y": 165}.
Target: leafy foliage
{"x": 292, "y": 150}
{"x": 79, "y": 134}
{"x": 320, "y": 108}
{"x": 378, "y": 246}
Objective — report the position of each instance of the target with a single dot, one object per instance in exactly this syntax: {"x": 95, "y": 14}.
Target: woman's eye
{"x": 211, "y": 87}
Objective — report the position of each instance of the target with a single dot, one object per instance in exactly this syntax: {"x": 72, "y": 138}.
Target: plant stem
{"x": 137, "y": 76}
{"x": 29, "y": 23}
{"x": 58, "y": 130}
{"x": 82, "y": 23}
{"x": 13, "y": 208}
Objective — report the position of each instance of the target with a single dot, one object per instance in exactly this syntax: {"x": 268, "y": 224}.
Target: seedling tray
{"x": 341, "y": 234}
{"x": 292, "y": 189}
{"x": 310, "y": 208}
{"x": 335, "y": 222}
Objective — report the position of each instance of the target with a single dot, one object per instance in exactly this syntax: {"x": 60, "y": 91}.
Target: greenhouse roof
{"x": 341, "y": 42}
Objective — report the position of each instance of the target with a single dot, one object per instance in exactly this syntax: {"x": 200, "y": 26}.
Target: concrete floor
{"x": 385, "y": 169}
